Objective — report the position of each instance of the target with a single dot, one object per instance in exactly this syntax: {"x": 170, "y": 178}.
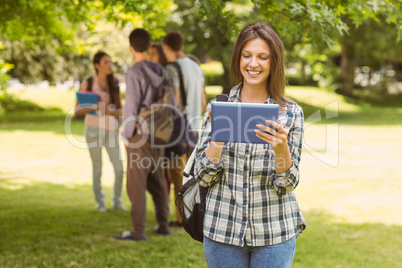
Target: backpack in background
{"x": 156, "y": 121}
{"x": 184, "y": 139}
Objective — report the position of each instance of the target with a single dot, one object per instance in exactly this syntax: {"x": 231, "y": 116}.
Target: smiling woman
{"x": 259, "y": 53}
{"x": 251, "y": 209}
{"x": 255, "y": 64}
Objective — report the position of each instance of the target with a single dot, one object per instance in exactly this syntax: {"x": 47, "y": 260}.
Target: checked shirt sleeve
{"x": 287, "y": 181}
{"x": 206, "y": 172}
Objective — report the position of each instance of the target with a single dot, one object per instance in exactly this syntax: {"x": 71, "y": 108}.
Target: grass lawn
{"x": 349, "y": 192}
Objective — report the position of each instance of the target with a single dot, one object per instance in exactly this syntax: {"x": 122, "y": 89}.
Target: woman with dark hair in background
{"x": 101, "y": 128}
{"x": 156, "y": 54}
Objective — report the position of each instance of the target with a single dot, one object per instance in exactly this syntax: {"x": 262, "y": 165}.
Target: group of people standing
{"x": 252, "y": 217}
{"x": 155, "y": 64}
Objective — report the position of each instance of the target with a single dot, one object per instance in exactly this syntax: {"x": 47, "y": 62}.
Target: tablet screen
{"x": 236, "y": 121}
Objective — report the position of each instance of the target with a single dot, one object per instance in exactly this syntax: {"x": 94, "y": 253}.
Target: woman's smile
{"x": 254, "y": 73}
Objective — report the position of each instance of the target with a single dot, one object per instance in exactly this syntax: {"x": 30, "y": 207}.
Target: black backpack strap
{"x": 144, "y": 74}
{"x": 182, "y": 90}
{"x": 90, "y": 82}
{"x": 222, "y": 97}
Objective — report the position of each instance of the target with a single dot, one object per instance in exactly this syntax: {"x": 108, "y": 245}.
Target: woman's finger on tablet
{"x": 280, "y": 128}
{"x": 278, "y": 141}
{"x": 266, "y": 129}
{"x": 265, "y": 136}
{"x": 260, "y": 135}
{"x": 275, "y": 142}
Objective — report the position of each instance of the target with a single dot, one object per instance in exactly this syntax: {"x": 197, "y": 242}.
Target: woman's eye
{"x": 246, "y": 56}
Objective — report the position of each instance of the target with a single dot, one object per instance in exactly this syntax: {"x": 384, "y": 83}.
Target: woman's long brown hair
{"x": 277, "y": 80}
{"x": 114, "y": 89}
{"x": 162, "y": 58}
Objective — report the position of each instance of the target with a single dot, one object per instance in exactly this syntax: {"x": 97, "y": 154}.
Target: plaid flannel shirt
{"x": 248, "y": 202}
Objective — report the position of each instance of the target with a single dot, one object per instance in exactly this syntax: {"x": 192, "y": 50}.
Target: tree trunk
{"x": 226, "y": 80}
{"x": 348, "y": 64}
{"x": 302, "y": 72}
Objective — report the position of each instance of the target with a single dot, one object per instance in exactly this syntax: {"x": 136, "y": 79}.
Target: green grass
{"x": 349, "y": 192}
{"x": 57, "y": 226}
{"x": 313, "y": 100}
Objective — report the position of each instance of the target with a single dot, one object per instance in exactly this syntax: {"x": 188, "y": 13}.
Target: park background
{"x": 344, "y": 67}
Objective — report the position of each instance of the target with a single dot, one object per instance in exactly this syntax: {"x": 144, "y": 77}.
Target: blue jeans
{"x": 96, "y": 139}
{"x": 220, "y": 255}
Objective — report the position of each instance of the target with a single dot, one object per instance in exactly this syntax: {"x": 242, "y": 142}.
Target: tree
{"x": 210, "y": 29}
{"x": 368, "y": 30}
{"x": 51, "y": 40}
{"x": 215, "y": 24}
{"x": 41, "y": 21}
{"x": 210, "y": 26}
{"x": 371, "y": 39}
{"x": 375, "y": 31}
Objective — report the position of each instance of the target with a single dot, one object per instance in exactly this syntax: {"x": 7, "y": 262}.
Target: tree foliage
{"x": 44, "y": 20}
{"x": 41, "y": 21}
{"x": 376, "y": 28}
{"x": 211, "y": 27}
{"x": 55, "y": 40}
{"x": 70, "y": 31}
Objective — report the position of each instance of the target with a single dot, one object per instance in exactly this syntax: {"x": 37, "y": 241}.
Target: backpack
{"x": 191, "y": 199}
{"x": 156, "y": 121}
{"x": 183, "y": 139}
{"x": 191, "y": 202}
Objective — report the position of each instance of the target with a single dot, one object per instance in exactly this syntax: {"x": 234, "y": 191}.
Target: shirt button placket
{"x": 246, "y": 190}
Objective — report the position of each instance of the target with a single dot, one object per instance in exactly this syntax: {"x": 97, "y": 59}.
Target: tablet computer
{"x": 87, "y": 99}
{"x": 236, "y": 121}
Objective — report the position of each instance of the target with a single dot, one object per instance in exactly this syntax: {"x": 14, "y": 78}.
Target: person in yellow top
{"x": 101, "y": 127}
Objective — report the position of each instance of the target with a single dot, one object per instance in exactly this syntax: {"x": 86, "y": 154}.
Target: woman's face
{"x": 255, "y": 64}
{"x": 105, "y": 65}
{"x": 153, "y": 55}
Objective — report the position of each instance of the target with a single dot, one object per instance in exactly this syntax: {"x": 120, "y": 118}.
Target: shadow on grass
{"x": 365, "y": 116}
{"x": 29, "y": 116}
{"x": 372, "y": 97}
{"x": 34, "y": 116}
{"x": 54, "y": 225}
{"x": 12, "y": 103}
{"x": 48, "y": 120}
{"x": 57, "y": 226}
